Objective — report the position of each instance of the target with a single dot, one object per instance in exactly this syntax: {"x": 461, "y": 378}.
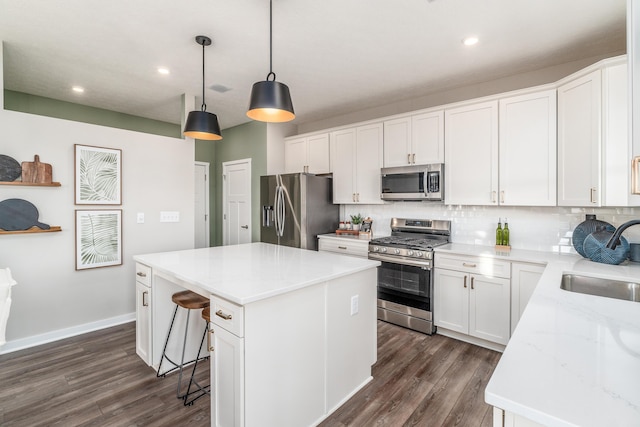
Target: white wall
{"x": 450, "y": 95}
{"x": 52, "y": 299}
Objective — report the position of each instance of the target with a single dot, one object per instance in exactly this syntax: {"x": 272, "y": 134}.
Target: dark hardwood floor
{"x": 97, "y": 379}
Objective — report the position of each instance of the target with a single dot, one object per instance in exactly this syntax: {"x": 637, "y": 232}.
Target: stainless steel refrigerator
{"x": 296, "y": 208}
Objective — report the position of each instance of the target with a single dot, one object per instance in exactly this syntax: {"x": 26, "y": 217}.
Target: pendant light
{"x": 202, "y": 124}
{"x": 270, "y": 100}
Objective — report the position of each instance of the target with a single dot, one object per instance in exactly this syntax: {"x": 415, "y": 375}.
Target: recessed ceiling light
{"x": 78, "y": 89}
{"x": 470, "y": 41}
{"x": 163, "y": 70}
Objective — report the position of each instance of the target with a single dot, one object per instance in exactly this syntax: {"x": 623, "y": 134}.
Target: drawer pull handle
{"x": 224, "y": 315}
{"x": 467, "y": 264}
{"x": 141, "y": 274}
{"x": 145, "y": 303}
{"x": 209, "y": 346}
{"x": 342, "y": 247}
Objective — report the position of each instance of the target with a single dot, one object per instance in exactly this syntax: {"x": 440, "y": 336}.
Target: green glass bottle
{"x": 499, "y": 233}
{"x": 505, "y": 233}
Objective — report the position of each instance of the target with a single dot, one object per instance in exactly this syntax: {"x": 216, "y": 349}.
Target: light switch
{"x": 140, "y": 218}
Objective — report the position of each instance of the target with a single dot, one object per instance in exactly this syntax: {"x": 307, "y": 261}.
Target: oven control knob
{"x": 419, "y": 254}
{"x": 376, "y": 249}
{"x": 396, "y": 251}
{"x": 410, "y": 253}
{"x": 383, "y": 250}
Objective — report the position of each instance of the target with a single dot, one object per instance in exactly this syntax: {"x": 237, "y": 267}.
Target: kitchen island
{"x": 293, "y": 331}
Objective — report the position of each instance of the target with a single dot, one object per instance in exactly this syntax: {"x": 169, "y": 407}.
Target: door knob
{"x": 246, "y": 227}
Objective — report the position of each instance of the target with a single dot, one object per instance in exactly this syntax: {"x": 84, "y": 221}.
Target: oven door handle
{"x": 390, "y": 259}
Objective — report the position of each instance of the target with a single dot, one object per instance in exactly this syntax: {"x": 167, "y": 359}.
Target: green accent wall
{"x": 32, "y": 104}
{"x": 246, "y": 141}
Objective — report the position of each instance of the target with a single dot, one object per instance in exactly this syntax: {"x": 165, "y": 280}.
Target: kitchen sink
{"x": 618, "y": 289}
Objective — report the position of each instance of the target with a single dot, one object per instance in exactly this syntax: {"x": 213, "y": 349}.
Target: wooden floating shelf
{"x": 33, "y": 230}
{"x": 31, "y": 184}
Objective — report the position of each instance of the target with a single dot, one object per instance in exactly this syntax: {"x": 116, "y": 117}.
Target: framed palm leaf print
{"x": 98, "y": 238}
{"x": 98, "y": 175}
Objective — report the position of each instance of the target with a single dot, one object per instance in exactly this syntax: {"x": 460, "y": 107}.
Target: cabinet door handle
{"x": 353, "y": 197}
{"x": 413, "y": 158}
{"x": 465, "y": 281}
{"x": 342, "y": 247}
{"x": 141, "y": 274}
{"x": 409, "y": 158}
{"x": 493, "y": 197}
{"x": 472, "y": 283}
{"x": 468, "y": 264}
{"x": 209, "y": 346}
{"x": 145, "y": 303}
{"x": 592, "y": 195}
{"x": 502, "y": 196}
{"x": 357, "y": 197}
{"x": 224, "y": 315}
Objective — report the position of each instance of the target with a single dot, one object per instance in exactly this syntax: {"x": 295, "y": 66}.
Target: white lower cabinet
{"x": 474, "y": 304}
{"x": 143, "y": 322}
{"x": 143, "y": 313}
{"x": 227, "y": 377}
{"x": 509, "y": 419}
{"x": 352, "y": 246}
{"x": 524, "y": 279}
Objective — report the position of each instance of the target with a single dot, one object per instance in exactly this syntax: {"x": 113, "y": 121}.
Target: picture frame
{"x": 366, "y": 225}
{"x": 98, "y": 238}
{"x": 98, "y": 175}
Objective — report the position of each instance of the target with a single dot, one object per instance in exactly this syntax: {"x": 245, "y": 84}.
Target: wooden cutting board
{"x": 19, "y": 214}
{"x": 36, "y": 172}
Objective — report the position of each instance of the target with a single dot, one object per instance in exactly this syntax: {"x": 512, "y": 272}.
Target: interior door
{"x": 236, "y": 221}
{"x": 201, "y": 213}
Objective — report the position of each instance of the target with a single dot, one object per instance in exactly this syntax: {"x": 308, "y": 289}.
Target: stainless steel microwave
{"x": 416, "y": 182}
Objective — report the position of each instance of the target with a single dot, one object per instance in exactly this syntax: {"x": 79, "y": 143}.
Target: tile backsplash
{"x": 532, "y": 228}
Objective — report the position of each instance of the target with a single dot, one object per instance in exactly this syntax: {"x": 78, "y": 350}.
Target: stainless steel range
{"x": 405, "y": 277}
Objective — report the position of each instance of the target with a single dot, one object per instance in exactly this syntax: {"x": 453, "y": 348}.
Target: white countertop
{"x": 574, "y": 359}
{"x": 251, "y": 272}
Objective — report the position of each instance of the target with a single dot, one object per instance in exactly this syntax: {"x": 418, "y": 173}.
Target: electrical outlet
{"x": 354, "y": 305}
{"x": 166, "y": 216}
{"x": 140, "y": 218}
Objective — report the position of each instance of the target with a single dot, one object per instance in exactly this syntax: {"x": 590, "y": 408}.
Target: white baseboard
{"x": 22, "y": 343}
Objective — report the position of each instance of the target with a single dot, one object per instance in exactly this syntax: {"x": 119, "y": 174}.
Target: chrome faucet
{"x": 615, "y": 239}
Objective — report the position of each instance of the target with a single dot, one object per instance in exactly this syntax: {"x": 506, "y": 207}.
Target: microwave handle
{"x": 425, "y": 182}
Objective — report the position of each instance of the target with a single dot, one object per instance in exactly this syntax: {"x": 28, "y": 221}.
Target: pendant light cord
{"x": 271, "y": 73}
{"x": 204, "y": 105}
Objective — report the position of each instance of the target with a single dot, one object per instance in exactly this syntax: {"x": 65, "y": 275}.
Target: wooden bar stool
{"x": 199, "y": 390}
{"x": 190, "y": 301}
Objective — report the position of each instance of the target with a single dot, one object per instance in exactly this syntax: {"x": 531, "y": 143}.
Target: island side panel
{"x": 285, "y": 341}
{"x": 351, "y": 338}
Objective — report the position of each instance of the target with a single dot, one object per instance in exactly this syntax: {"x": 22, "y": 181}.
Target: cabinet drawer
{"x": 227, "y": 315}
{"x": 471, "y": 264}
{"x": 355, "y": 248}
{"x": 143, "y": 274}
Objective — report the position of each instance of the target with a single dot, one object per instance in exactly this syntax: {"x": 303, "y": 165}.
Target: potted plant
{"x": 356, "y": 221}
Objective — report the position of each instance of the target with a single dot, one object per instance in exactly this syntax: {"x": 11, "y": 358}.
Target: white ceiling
{"x": 336, "y": 56}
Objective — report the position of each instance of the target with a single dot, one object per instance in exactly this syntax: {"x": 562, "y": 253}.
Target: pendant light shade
{"x": 202, "y": 124}
{"x": 270, "y": 100}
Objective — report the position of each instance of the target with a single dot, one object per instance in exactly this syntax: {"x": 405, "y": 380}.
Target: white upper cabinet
{"x": 528, "y": 149}
{"x": 594, "y": 147}
{"x": 414, "y": 140}
{"x": 579, "y": 141}
{"x": 471, "y": 154}
{"x": 356, "y": 156}
{"x": 307, "y": 154}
